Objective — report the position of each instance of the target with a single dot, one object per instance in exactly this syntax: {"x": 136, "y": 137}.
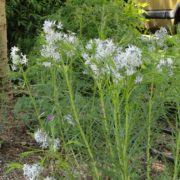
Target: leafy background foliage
{"x": 24, "y": 19}
{"x": 104, "y": 19}
{"x": 87, "y": 18}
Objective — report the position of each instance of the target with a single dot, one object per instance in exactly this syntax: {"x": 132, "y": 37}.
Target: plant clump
{"x": 94, "y": 99}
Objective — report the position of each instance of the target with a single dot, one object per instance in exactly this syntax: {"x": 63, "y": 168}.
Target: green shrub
{"x": 25, "y": 17}
{"x": 101, "y": 18}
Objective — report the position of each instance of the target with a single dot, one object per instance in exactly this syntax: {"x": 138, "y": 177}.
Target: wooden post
{"x": 5, "y": 83}
{"x": 3, "y": 40}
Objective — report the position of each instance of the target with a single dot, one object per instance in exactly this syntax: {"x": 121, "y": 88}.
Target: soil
{"x": 17, "y": 140}
{"x": 13, "y": 143}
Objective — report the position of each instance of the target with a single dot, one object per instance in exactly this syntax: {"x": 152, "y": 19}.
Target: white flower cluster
{"x": 98, "y": 53}
{"x": 41, "y": 138}
{"x": 17, "y": 58}
{"x": 104, "y": 57}
{"x": 56, "y": 144}
{"x": 160, "y": 36}
{"x": 103, "y": 48}
{"x": 129, "y": 60}
{"x": 165, "y": 63}
{"x": 32, "y": 172}
{"x": 69, "y": 119}
{"x": 54, "y": 36}
{"x": 161, "y": 33}
{"x": 44, "y": 141}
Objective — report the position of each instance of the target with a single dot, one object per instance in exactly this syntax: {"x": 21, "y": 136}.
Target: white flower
{"x": 14, "y": 67}
{"x": 32, "y": 172}
{"x": 85, "y": 57}
{"x": 44, "y": 141}
{"x": 14, "y": 51}
{"x": 71, "y": 39}
{"x": 130, "y": 71}
{"x": 50, "y": 51}
{"x": 56, "y": 144}
{"x": 165, "y": 63}
{"x": 48, "y": 25}
{"x": 46, "y": 64}
{"x": 60, "y": 25}
{"x": 161, "y": 33}
{"x": 160, "y": 36}
{"x": 169, "y": 61}
{"x": 17, "y": 58}
{"x": 49, "y": 178}
{"x": 41, "y": 138}
{"x": 138, "y": 79}
{"x": 102, "y": 48}
{"x": 162, "y": 62}
{"x": 69, "y": 119}
{"x": 23, "y": 59}
{"x": 133, "y": 56}
{"x": 128, "y": 60}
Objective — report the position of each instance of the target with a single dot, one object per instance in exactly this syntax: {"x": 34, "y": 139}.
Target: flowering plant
{"x": 125, "y": 83}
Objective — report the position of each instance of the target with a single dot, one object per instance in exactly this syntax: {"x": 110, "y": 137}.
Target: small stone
{"x": 23, "y": 143}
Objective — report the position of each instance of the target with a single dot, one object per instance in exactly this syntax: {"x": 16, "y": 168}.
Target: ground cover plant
{"x": 94, "y": 101}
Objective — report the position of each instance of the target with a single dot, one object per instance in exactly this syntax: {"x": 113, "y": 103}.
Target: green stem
{"x": 56, "y": 102}
{"x": 176, "y": 165}
{"x": 177, "y": 161}
{"x": 78, "y": 122}
{"x": 107, "y": 134}
{"x": 31, "y": 97}
{"x": 102, "y": 34}
{"x": 115, "y": 115}
{"x": 149, "y": 133}
{"x": 125, "y": 158}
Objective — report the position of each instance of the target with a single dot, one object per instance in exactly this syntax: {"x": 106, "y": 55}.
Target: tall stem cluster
{"x": 125, "y": 153}
{"x": 75, "y": 113}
